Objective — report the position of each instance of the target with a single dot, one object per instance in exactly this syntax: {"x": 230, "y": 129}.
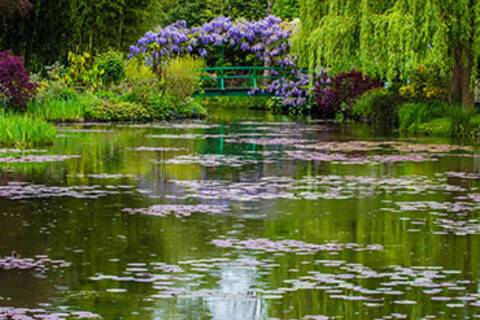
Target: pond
{"x": 244, "y": 216}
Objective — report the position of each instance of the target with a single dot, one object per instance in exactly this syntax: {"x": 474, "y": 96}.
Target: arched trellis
{"x": 266, "y": 40}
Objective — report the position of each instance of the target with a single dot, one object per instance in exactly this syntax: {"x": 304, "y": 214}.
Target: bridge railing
{"x": 253, "y": 75}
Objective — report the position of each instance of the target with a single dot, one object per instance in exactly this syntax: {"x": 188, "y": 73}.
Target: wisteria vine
{"x": 267, "y": 39}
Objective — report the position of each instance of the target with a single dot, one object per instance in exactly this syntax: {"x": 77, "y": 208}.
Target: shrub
{"x": 15, "y": 85}
{"x": 55, "y": 90}
{"x": 111, "y": 65}
{"x": 110, "y": 110}
{"x": 81, "y": 74}
{"x": 378, "y": 106}
{"x": 181, "y": 76}
{"x": 437, "y": 118}
{"x": 162, "y": 106}
{"x": 420, "y": 112}
{"x": 22, "y": 131}
{"x": 436, "y": 127}
{"x": 137, "y": 73}
{"x": 424, "y": 84}
{"x": 140, "y": 82}
{"x": 192, "y": 109}
{"x": 337, "y": 94}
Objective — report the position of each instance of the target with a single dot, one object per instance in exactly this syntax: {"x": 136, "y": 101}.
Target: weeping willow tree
{"x": 390, "y": 38}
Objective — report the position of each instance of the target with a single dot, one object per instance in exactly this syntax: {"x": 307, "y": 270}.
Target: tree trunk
{"x": 460, "y": 89}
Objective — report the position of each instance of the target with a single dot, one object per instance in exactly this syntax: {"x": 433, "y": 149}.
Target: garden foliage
{"x": 337, "y": 94}
{"x": 15, "y": 84}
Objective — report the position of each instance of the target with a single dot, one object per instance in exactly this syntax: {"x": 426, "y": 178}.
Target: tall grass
{"x": 60, "y": 110}
{"x": 23, "y": 131}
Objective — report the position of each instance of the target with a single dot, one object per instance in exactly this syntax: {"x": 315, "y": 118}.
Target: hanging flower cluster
{"x": 266, "y": 39}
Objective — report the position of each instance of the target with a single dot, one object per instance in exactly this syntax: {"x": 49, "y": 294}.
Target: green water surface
{"x": 100, "y": 239}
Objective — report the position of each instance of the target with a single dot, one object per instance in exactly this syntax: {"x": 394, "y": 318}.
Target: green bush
{"x": 181, "y": 76}
{"x": 21, "y": 131}
{"x": 55, "y": 90}
{"x": 81, "y": 73}
{"x": 162, "y": 106}
{"x": 109, "y": 110}
{"x": 438, "y": 118}
{"x": 436, "y": 127}
{"x": 192, "y": 109}
{"x": 111, "y": 65}
{"x": 413, "y": 113}
{"x": 378, "y": 106}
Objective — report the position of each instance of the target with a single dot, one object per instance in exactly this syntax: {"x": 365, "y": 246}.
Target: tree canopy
{"x": 390, "y": 38}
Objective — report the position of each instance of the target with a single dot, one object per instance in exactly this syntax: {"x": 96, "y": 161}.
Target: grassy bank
{"x": 24, "y": 131}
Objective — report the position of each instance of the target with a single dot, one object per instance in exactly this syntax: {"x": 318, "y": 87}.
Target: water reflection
{"x": 422, "y": 218}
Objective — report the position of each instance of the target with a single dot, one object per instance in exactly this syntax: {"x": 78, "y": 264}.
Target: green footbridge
{"x": 232, "y": 81}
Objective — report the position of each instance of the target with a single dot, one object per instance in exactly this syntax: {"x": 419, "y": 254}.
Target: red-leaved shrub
{"x": 337, "y": 94}
{"x": 15, "y": 81}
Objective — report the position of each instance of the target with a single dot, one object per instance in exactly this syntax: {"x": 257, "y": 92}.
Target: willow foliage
{"x": 389, "y": 38}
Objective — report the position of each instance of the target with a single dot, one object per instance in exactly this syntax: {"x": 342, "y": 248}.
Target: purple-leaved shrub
{"x": 15, "y": 82}
{"x": 337, "y": 94}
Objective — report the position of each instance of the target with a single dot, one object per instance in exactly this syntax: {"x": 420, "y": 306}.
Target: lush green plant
{"x": 22, "y": 131}
{"x": 111, "y": 65}
{"x": 140, "y": 82}
{"x": 437, "y": 127}
{"x": 61, "y": 110}
{"x": 253, "y": 102}
{"x": 111, "y": 110}
{"x": 389, "y": 39}
{"x": 55, "y": 90}
{"x": 413, "y": 113}
{"x": 378, "y": 106}
{"x": 93, "y": 26}
{"x": 81, "y": 73}
{"x": 181, "y": 76}
{"x": 15, "y": 85}
{"x": 162, "y": 106}
{"x": 424, "y": 84}
{"x": 192, "y": 109}
{"x": 437, "y": 118}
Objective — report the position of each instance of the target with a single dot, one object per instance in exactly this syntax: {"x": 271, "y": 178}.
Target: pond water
{"x": 245, "y": 216}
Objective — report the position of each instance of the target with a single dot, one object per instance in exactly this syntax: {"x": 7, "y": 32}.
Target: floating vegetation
{"x": 311, "y": 188}
{"x": 105, "y": 176}
{"x": 212, "y": 160}
{"x": 23, "y": 190}
{"x": 347, "y": 159}
{"x": 267, "y": 141}
{"x": 346, "y": 281}
{"x": 11, "y": 313}
{"x": 463, "y": 175}
{"x": 39, "y": 263}
{"x": 185, "y": 136}
{"x": 459, "y": 228}
{"x": 179, "y": 210}
{"x": 403, "y": 147}
{"x": 158, "y": 149}
{"x": 3, "y": 151}
{"x": 85, "y": 131}
{"x": 185, "y": 126}
{"x": 37, "y": 159}
{"x": 293, "y": 246}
